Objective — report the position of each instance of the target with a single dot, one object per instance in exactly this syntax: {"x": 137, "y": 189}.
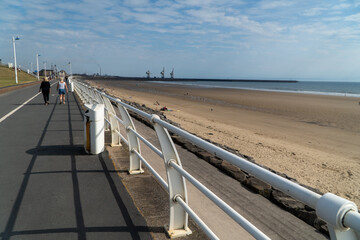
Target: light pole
{"x": 70, "y": 68}
{"x": 45, "y": 67}
{"x": 16, "y": 76}
{"x": 37, "y": 64}
{"x": 100, "y": 68}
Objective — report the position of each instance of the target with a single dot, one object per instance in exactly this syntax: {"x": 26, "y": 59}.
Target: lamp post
{"x": 37, "y": 64}
{"x": 45, "y": 68}
{"x": 100, "y": 68}
{"x": 13, "y": 40}
{"x": 70, "y": 68}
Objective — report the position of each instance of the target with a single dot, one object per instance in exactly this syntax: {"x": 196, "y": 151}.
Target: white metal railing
{"x": 341, "y": 215}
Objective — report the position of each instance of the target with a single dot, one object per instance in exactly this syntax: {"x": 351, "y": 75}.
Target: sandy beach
{"x": 312, "y": 138}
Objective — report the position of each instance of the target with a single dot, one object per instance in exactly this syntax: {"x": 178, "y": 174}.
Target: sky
{"x": 236, "y": 39}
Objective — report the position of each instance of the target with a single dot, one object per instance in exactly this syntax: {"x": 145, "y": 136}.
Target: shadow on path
{"x": 118, "y": 191}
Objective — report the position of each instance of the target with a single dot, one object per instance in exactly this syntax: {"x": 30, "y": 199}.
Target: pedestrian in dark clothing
{"x": 45, "y": 89}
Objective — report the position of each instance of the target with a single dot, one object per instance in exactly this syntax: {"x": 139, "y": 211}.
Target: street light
{"x": 37, "y": 64}
{"x": 70, "y": 68}
{"x": 100, "y": 68}
{"x": 16, "y": 76}
{"x": 45, "y": 67}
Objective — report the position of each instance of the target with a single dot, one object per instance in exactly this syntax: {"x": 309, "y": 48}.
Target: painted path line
{"x": 13, "y": 111}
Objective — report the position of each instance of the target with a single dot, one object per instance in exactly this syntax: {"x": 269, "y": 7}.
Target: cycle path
{"x": 49, "y": 187}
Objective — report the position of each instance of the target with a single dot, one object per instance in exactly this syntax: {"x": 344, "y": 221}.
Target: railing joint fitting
{"x": 177, "y": 196}
{"x": 153, "y": 117}
{"x": 170, "y": 161}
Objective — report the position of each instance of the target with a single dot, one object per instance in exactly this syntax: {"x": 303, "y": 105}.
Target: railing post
{"x": 332, "y": 209}
{"x": 79, "y": 91}
{"x": 98, "y": 97}
{"x": 114, "y": 124}
{"x": 178, "y": 224}
{"x": 133, "y": 141}
{"x": 92, "y": 95}
{"x": 87, "y": 95}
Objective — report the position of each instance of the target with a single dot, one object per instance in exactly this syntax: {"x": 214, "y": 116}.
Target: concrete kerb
{"x": 14, "y": 87}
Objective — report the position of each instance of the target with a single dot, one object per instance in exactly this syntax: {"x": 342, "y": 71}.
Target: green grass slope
{"x": 7, "y": 77}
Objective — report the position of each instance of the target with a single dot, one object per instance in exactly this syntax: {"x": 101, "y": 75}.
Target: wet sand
{"x": 312, "y": 138}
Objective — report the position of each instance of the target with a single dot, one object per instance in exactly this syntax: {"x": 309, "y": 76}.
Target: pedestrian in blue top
{"x": 62, "y": 87}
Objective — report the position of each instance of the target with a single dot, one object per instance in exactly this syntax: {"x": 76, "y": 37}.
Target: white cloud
{"x": 314, "y": 11}
{"x": 136, "y": 3}
{"x": 8, "y": 17}
{"x": 356, "y": 3}
{"x": 92, "y": 29}
{"x": 196, "y": 3}
{"x": 268, "y": 4}
{"x": 342, "y": 6}
{"x": 207, "y": 15}
{"x": 353, "y": 18}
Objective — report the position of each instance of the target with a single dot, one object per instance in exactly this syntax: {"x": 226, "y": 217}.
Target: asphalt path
{"x": 13, "y": 99}
{"x": 49, "y": 187}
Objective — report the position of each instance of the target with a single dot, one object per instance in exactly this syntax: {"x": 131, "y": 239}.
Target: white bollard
{"x": 94, "y": 138}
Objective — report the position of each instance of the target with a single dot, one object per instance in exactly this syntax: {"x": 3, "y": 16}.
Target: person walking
{"x": 45, "y": 89}
{"x": 62, "y": 87}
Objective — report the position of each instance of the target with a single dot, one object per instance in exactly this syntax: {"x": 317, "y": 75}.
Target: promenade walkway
{"x": 49, "y": 187}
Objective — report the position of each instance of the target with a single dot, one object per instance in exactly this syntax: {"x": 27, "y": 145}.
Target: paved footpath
{"x": 49, "y": 187}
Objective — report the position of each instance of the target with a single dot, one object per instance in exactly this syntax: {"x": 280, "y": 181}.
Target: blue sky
{"x": 273, "y": 39}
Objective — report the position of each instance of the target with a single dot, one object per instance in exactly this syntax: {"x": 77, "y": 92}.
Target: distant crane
{"x": 172, "y": 74}
{"x": 163, "y": 73}
{"x": 148, "y": 73}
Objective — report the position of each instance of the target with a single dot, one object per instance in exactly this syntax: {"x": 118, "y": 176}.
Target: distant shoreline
{"x": 282, "y": 86}
{"x": 182, "y": 79}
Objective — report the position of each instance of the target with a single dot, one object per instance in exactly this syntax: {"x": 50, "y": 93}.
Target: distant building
{"x": 10, "y": 65}
{"x": 48, "y": 72}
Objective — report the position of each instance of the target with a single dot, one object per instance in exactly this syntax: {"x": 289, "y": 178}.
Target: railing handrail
{"x": 301, "y": 193}
{"x": 349, "y": 219}
{"x": 226, "y": 208}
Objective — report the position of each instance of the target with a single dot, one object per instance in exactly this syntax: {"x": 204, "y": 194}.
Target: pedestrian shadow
{"x": 54, "y": 150}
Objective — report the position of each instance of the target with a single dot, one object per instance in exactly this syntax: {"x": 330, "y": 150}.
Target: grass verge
{"x": 7, "y": 77}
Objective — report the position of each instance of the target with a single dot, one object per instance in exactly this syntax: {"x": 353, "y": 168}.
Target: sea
{"x": 349, "y": 89}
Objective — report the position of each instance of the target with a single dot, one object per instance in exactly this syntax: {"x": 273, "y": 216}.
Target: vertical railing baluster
{"x": 114, "y": 123}
{"x": 178, "y": 222}
{"x": 135, "y": 162}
